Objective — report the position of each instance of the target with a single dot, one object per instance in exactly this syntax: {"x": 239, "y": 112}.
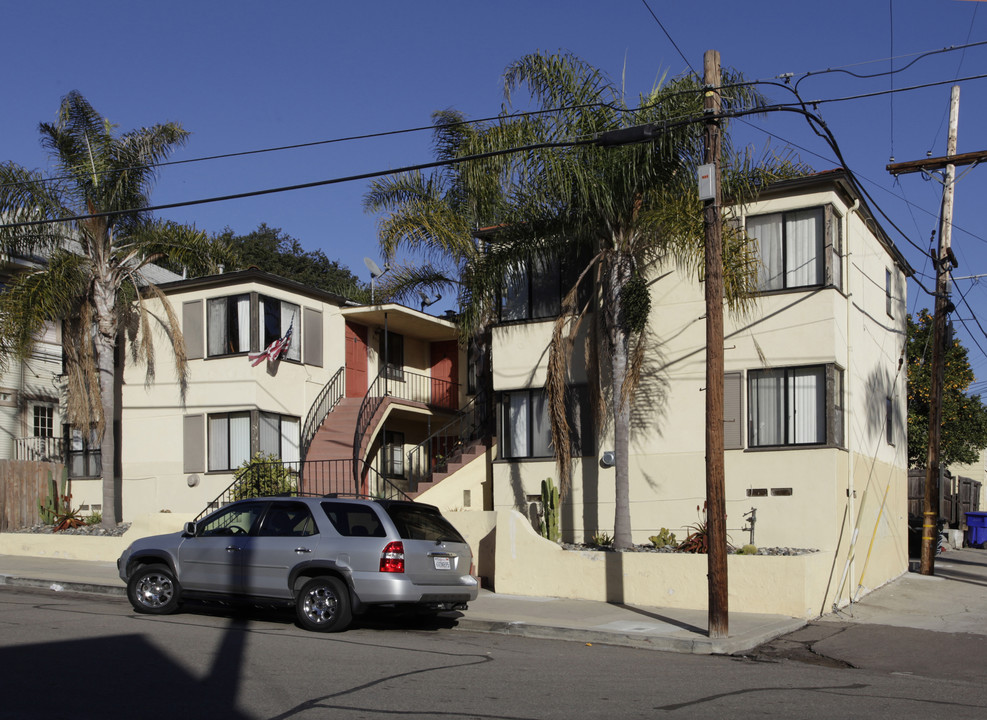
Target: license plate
{"x": 442, "y": 563}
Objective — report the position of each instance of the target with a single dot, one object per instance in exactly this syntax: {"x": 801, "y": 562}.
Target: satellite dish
{"x": 375, "y": 272}
{"x": 374, "y": 268}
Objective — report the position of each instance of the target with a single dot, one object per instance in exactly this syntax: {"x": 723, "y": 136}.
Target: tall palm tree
{"x": 434, "y": 217}
{"x": 92, "y": 274}
{"x": 622, "y": 212}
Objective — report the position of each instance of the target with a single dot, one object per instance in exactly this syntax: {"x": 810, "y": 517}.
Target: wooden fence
{"x": 22, "y": 484}
{"x": 957, "y": 496}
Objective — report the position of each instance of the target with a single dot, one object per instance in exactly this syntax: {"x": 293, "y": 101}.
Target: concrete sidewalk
{"x": 584, "y": 621}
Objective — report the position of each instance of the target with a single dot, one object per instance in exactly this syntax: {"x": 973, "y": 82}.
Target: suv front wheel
{"x": 153, "y": 590}
{"x": 323, "y": 605}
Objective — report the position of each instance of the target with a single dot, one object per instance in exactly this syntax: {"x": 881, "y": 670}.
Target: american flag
{"x": 273, "y": 351}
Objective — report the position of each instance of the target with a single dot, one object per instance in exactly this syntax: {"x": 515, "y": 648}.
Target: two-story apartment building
{"x": 355, "y": 389}
{"x": 815, "y": 392}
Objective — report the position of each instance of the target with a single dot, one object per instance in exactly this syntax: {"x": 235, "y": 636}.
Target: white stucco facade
{"x": 843, "y": 494}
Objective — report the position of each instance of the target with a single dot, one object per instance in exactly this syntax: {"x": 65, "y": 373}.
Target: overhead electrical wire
{"x": 674, "y": 44}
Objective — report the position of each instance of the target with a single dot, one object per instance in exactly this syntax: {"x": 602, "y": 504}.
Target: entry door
{"x": 356, "y": 360}
{"x": 445, "y": 374}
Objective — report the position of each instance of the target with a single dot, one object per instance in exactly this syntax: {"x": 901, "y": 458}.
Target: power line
{"x": 674, "y": 44}
{"x": 300, "y": 186}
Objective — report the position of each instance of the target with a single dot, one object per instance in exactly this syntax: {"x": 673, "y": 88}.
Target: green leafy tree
{"x": 964, "y": 417}
{"x": 274, "y": 251}
{"x": 623, "y": 212}
{"x": 91, "y": 273}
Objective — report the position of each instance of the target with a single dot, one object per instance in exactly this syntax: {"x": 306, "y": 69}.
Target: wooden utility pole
{"x": 716, "y": 527}
{"x": 930, "y": 504}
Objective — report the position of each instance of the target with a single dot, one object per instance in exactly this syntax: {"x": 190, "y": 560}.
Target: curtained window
{"x": 527, "y": 429}
{"x": 795, "y": 406}
{"x": 228, "y": 325}
{"x": 229, "y": 440}
{"x": 797, "y": 249}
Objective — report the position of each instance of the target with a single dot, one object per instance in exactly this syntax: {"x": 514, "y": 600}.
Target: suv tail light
{"x": 392, "y": 559}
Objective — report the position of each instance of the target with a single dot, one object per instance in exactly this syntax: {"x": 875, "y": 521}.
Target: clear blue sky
{"x": 248, "y": 75}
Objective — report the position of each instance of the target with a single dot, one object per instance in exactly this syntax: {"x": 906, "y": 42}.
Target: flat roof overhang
{"x": 404, "y": 321}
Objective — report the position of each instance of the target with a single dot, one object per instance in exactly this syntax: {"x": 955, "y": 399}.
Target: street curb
{"x": 694, "y": 646}
{"x": 63, "y": 586}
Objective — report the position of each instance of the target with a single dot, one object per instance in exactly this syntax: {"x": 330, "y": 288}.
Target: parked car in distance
{"x": 330, "y": 557}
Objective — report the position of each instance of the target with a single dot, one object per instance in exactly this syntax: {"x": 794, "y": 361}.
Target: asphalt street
{"x": 91, "y": 656}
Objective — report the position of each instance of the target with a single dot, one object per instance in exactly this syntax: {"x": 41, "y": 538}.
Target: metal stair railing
{"x": 325, "y": 402}
{"x": 302, "y": 477}
{"x": 400, "y": 384}
{"x": 434, "y": 453}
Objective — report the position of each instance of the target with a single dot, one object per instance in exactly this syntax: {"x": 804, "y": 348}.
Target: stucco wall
{"x": 813, "y": 497}
{"x": 152, "y": 427}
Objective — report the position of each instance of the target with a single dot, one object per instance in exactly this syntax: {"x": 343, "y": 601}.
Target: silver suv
{"x": 330, "y": 557}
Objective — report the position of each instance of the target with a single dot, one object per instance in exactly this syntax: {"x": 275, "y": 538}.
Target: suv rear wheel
{"x": 153, "y": 590}
{"x": 323, "y": 605}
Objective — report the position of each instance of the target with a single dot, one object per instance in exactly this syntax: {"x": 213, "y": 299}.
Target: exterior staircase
{"x": 455, "y": 462}
{"x": 334, "y": 438}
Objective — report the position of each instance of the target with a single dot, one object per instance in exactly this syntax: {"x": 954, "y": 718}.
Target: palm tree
{"x": 618, "y": 213}
{"x": 89, "y": 227}
{"x": 434, "y": 217}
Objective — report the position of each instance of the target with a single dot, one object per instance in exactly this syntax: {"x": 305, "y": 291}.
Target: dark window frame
{"x": 230, "y": 326}
{"x": 833, "y": 411}
{"x": 268, "y": 305}
{"x": 829, "y": 248}
{"x": 582, "y": 434}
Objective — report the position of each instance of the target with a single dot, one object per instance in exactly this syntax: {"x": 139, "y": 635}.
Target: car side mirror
{"x": 189, "y": 530}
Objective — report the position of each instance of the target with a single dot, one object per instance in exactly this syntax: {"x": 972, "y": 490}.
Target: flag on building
{"x": 273, "y": 351}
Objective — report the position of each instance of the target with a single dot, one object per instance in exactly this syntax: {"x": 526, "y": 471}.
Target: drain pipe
{"x": 850, "y": 565}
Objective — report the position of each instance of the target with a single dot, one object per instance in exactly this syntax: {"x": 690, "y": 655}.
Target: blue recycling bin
{"x": 976, "y": 532}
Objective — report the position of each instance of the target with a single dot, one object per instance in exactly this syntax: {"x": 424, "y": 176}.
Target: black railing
{"x": 315, "y": 477}
{"x": 83, "y": 463}
{"x": 447, "y": 444}
{"x": 409, "y": 386}
{"x": 328, "y": 398}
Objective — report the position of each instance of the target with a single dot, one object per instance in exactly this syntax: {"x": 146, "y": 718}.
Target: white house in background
{"x": 33, "y": 423}
{"x": 361, "y": 419}
{"x": 815, "y": 396}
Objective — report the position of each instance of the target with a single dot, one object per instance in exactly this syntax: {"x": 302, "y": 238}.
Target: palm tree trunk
{"x": 617, "y": 336}
{"x": 105, "y": 346}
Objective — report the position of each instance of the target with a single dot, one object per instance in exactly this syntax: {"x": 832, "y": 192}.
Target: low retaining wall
{"x": 87, "y": 547}
{"x": 513, "y": 558}
{"x": 528, "y": 564}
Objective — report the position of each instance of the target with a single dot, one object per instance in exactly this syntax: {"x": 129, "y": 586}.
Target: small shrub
{"x": 697, "y": 541}
{"x": 601, "y": 540}
{"x": 68, "y": 519}
{"x": 262, "y": 476}
{"x": 663, "y": 538}
{"x": 94, "y": 518}
{"x": 747, "y": 550}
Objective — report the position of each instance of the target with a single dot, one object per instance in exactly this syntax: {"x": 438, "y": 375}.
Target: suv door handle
{"x": 232, "y": 548}
{"x": 302, "y": 550}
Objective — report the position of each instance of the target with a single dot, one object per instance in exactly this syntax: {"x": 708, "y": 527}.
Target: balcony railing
{"x": 413, "y": 387}
{"x": 41, "y": 449}
{"x": 86, "y": 463}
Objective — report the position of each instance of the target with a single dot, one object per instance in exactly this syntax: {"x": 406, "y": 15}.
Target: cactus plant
{"x": 663, "y": 538}
{"x": 55, "y": 501}
{"x": 550, "y": 510}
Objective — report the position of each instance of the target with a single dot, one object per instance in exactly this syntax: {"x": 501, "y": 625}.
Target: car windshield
{"x": 235, "y": 520}
{"x": 422, "y": 523}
